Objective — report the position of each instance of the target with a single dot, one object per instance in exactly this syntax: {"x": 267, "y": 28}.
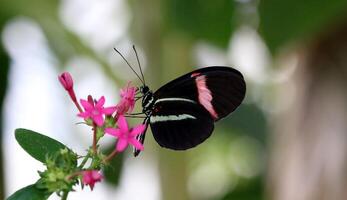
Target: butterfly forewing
{"x": 226, "y": 86}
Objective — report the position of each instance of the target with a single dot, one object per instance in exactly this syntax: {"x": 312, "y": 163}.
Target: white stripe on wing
{"x": 164, "y": 118}
{"x": 174, "y": 99}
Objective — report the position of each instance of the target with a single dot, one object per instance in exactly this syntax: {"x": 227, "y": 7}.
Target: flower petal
{"x": 131, "y": 106}
{"x": 122, "y": 107}
{"x": 132, "y": 91}
{"x": 90, "y": 177}
{"x": 113, "y": 131}
{"x": 97, "y": 176}
{"x": 84, "y": 114}
{"x": 109, "y": 110}
{"x": 136, "y": 144}
{"x": 124, "y": 90}
{"x": 98, "y": 119}
{"x": 86, "y": 105}
{"x": 122, "y": 124}
{"x": 122, "y": 93}
{"x": 137, "y": 130}
{"x": 121, "y": 144}
{"x": 100, "y": 102}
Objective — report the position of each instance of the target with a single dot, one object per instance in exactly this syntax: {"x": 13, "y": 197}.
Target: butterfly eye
{"x": 144, "y": 89}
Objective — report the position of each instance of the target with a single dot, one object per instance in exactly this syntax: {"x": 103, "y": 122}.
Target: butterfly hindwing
{"x": 179, "y": 123}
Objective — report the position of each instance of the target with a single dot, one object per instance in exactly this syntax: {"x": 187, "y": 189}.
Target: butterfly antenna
{"x": 138, "y": 62}
{"x": 129, "y": 65}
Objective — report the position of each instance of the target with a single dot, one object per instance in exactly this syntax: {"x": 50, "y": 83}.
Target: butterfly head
{"x": 144, "y": 89}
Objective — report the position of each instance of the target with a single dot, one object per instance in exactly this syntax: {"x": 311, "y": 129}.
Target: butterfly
{"x": 182, "y": 112}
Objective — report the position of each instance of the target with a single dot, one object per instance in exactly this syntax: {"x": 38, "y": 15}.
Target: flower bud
{"x": 90, "y": 177}
{"x": 66, "y": 80}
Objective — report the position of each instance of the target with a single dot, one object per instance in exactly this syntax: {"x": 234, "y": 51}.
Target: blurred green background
{"x": 288, "y": 140}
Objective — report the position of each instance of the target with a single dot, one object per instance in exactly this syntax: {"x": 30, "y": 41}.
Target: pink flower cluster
{"x": 94, "y": 111}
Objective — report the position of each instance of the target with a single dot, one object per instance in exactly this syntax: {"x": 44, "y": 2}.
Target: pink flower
{"x": 66, "y": 80}
{"x": 90, "y": 177}
{"x": 127, "y": 101}
{"x": 96, "y": 112}
{"x": 126, "y": 136}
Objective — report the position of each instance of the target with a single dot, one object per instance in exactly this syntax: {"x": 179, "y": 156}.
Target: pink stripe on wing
{"x": 205, "y": 97}
{"x": 195, "y": 74}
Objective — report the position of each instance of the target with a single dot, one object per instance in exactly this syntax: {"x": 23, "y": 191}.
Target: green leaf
{"x": 283, "y": 21}
{"x": 30, "y": 192}
{"x": 208, "y": 20}
{"x": 37, "y": 145}
{"x": 246, "y": 189}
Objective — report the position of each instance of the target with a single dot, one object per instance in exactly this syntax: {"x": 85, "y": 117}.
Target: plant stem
{"x": 64, "y": 197}
{"x": 84, "y": 161}
{"x": 109, "y": 157}
{"x": 94, "y": 140}
{"x": 72, "y": 175}
{"x": 78, "y": 106}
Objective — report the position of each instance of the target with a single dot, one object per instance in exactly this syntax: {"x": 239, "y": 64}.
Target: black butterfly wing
{"x": 226, "y": 85}
{"x": 185, "y": 108}
{"x": 179, "y": 124}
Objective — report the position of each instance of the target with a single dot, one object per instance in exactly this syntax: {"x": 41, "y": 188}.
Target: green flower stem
{"x": 84, "y": 161}
{"x": 94, "y": 140}
{"x": 65, "y": 194}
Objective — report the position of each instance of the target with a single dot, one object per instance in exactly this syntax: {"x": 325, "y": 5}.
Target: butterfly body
{"x": 182, "y": 113}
